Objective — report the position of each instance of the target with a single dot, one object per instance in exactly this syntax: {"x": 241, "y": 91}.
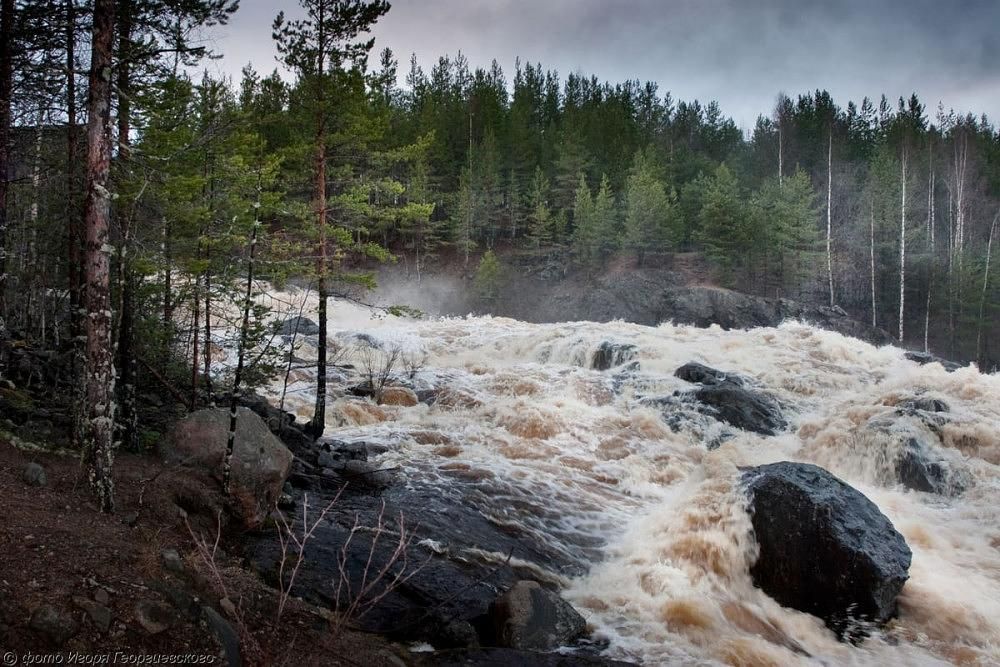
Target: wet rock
{"x": 363, "y": 389}
{"x": 458, "y": 556}
{"x": 299, "y": 326}
{"x": 917, "y": 458}
{"x": 154, "y": 617}
{"x": 925, "y": 403}
{"x": 701, "y": 374}
{"x": 101, "y": 596}
{"x": 363, "y": 474}
{"x": 825, "y": 549}
{"x": 130, "y": 518}
{"x": 924, "y": 358}
{"x": 56, "y": 625}
{"x": 457, "y": 634}
{"x": 743, "y": 408}
{"x": 507, "y": 657}
{"x": 260, "y": 462}
{"x": 98, "y": 614}
{"x": 34, "y": 475}
{"x": 334, "y": 452}
{"x": 530, "y": 617}
{"x": 401, "y": 396}
{"x": 610, "y": 354}
{"x": 224, "y": 633}
{"x": 729, "y": 399}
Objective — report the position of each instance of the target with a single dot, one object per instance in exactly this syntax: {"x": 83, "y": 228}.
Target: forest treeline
{"x": 143, "y": 195}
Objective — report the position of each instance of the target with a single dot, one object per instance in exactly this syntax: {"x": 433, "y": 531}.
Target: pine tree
{"x": 649, "y": 215}
{"x": 317, "y": 48}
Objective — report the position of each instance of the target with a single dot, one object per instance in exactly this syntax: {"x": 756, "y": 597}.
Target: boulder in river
{"x": 918, "y": 460}
{"x": 924, "y": 358}
{"x": 260, "y": 463}
{"x": 610, "y": 354}
{"x": 299, "y": 326}
{"x": 729, "y": 400}
{"x": 531, "y": 617}
{"x": 825, "y": 548}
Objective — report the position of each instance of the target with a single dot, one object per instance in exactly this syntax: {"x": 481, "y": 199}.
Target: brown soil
{"x": 55, "y": 545}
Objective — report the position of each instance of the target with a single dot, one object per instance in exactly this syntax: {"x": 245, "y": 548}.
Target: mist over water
{"x": 655, "y": 522}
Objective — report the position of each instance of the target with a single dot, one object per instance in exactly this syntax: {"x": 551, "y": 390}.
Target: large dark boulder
{"x": 531, "y": 617}
{"x": 701, "y": 374}
{"x": 729, "y": 399}
{"x": 298, "y": 326}
{"x": 743, "y": 408}
{"x": 825, "y": 549}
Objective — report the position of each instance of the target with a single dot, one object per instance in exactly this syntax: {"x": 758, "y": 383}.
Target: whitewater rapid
{"x": 656, "y": 520}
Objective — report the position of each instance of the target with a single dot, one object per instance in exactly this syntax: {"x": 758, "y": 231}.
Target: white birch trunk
{"x": 829, "y": 216}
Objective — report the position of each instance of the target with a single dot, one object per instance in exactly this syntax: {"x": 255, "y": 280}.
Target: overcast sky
{"x": 739, "y": 52}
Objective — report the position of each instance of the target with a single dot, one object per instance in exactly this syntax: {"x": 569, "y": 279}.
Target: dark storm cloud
{"x": 741, "y": 53}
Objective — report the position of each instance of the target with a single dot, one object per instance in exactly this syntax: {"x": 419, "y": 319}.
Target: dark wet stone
{"x": 610, "y": 354}
{"x": 825, "y": 548}
{"x": 528, "y": 616}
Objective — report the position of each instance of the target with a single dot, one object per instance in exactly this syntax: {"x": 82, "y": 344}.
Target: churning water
{"x": 629, "y": 490}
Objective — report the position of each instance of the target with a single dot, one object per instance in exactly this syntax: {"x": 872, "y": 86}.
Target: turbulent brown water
{"x": 573, "y": 456}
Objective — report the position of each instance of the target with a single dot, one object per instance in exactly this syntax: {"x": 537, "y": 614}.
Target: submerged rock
{"x": 260, "y": 462}
{"x": 825, "y": 548}
{"x": 610, "y": 354}
{"x": 924, "y": 358}
{"x": 918, "y": 459}
{"x": 530, "y": 617}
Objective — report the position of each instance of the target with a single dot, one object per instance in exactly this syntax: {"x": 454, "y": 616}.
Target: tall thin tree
{"x": 100, "y": 380}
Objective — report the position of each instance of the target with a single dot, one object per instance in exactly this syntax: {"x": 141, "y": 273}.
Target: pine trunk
{"x": 871, "y": 245}
{"x": 6, "y": 88}
{"x": 902, "y": 251}
{"x": 829, "y": 217}
{"x": 100, "y": 376}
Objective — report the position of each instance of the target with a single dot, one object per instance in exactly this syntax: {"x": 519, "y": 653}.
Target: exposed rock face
{"x": 610, "y": 354}
{"x": 825, "y": 549}
{"x": 530, "y": 617}
{"x": 730, "y": 401}
{"x": 507, "y": 657}
{"x": 260, "y": 463}
{"x": 56, "y": 625}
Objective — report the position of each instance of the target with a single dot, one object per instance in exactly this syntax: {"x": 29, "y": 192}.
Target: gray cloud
{"x": 739, "y": 52}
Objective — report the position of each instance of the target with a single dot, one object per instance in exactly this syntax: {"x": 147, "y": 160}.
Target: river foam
{"x": 656, "y": 522}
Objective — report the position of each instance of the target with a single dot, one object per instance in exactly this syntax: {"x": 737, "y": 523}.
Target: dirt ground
{"x": 60, "y": 556}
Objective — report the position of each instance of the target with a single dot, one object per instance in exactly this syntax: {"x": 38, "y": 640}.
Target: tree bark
{"x": 318, "y": 423}
{"x": 6, "y": 89}
{"x": 128, "y": 418}
{"x": 980, "y": 357}
{"x": 244, "y": 334}
{"x": 871, "y": 246}
{"x": 829, "y": 216}
{"x": 100, "y": 378}
{"x": 902, "y": 249}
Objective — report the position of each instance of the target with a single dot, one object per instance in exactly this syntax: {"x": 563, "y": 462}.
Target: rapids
{"x": 652, "y": 517}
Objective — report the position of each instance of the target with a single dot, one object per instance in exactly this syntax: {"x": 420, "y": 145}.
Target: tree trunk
{"x": 872, "y": 248}
{"x": 982, "y": 298}
{"x": 128, "y": 418}
{"x": 100, "y": 378}
{"x": 902, "y": 250}
{"x": 241, "y": 354}
{"x": 6, "y": 89}
{"x": 318, "y": 423}
{"x": 829, "y": 217}
{"x": 208, "y": 337}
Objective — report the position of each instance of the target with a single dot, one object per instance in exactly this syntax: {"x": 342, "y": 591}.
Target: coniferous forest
{"x": 143, "y": 199}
